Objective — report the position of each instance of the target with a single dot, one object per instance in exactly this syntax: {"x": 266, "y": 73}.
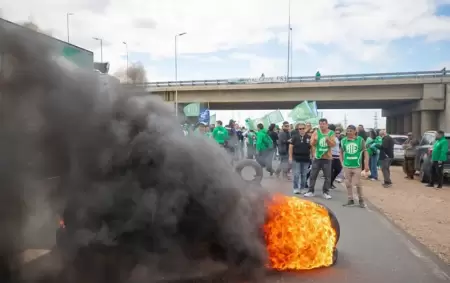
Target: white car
{"x": 399, "y": 152}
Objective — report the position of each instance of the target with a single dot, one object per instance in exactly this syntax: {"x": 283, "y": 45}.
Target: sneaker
{"x": 387, "y": 185}
{"x": 373, "y": 179}
{"x": 362, "y": 204}
{"x": 429, "y": 185}
{"x": 308, "y": 194}
{"x": 296, "y": 191}
{"x": 339, "y": 180}
{"x": 303, "y": 191}
{"x": 350, "y": 202}
{"x": 326, "y": 196}
{"x": 439, "y": 187}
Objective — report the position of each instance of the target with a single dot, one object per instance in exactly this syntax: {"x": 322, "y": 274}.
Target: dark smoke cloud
{"x": 139, "y": 198}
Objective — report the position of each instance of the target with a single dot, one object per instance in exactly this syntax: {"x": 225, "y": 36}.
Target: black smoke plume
{"x": 139, "y": 199}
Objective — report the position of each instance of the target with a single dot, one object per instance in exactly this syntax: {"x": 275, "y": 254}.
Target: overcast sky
{"x": 229, "y": 39}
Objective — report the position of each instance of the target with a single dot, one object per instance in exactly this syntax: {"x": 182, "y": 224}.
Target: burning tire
{"x": 250, "y": 163}
{"x": 300, "y": 234}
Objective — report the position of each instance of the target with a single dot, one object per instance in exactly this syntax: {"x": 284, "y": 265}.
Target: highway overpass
{"x": 411, "y": 101}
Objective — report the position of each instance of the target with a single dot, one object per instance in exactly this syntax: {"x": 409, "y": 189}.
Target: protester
{"x": 373, "y": 153}
{"x": 220, "y": 134}
{"x": 233, "y": 140}
{"x": 322, "y": 141}
{"x": 274, "y": 136}
{"x": 386, "y": 155}
{"x": 410, "y": 156}
{"x": 438, "y": 157}
{"x": 352, "y": 147}
{"x": 251, "y": 142}
{"x": 240, "y": 135}
{"x": 336, "y": 165}
{"x": 284, "y": 136}
{"x": 264, "y": 148}
{"x": 363, "y": 134}
{"x": 300, "y": 158}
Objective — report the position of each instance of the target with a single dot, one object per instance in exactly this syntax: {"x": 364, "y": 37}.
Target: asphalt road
{"x": 371, "y": 249}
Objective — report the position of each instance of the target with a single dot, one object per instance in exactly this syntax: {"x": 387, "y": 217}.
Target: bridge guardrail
{"x": 303, "y": 79}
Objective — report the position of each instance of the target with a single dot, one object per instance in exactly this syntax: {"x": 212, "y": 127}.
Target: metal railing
{"x": 276, "y": 80}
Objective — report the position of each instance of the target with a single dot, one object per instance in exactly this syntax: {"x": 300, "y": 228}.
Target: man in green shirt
{"x": 322, "y": 141}
{"x": 251, "y": 142}
{"x": 439, "y": 156}
{"x": 264, "y": 149}
{"x": 220, "y": 134}
{"x": 353, "y": 147}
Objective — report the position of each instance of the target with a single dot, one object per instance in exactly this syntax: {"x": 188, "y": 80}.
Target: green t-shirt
{"x": 352, "y": 150}
{"x": 251, "y": 138}
{"x": 322, "y": 146}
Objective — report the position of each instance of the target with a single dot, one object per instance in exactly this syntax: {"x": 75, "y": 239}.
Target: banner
{"x": 192, "y": 110}
{"x": 204, "y": 117}
{"x": 212, "y": 119}
{"x": 301, "y": 112}
{"x": 275, "y": 117}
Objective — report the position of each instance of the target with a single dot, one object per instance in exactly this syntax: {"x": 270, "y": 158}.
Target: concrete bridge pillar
{"x": 407, "y": 122}
{"x": 428, "y": 120}
{"x": 400, "y": 125}
{"x": 416, "y": 124}
{"x": 393, "y": 125}
{"x": 388, "y": 124}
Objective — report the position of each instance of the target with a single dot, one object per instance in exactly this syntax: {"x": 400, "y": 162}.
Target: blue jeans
{"x": 373, "y": 166}
{"x": 299, "y": 171}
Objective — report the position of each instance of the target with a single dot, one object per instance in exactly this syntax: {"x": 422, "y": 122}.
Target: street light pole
{"x": 126, "y": 46}
{"x": 176, "y": 71}
{"x": 101, "y": 48}
{"x": 289, "y": 42}
{"x": 67, "y": 25}
{"x": 292, "y": 53}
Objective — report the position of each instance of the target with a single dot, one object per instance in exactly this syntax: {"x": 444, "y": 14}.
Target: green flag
{"x": 301, "y": 112}
{"x": 275, "y": 117}
{"x": 250, "y": 124}
{"x": 313, "y": 106}
{"x": 212, "y": 119}
{"x": 266, "y": 121}
{"x": 192, "y": 110}
{"x": 314, "y": 121}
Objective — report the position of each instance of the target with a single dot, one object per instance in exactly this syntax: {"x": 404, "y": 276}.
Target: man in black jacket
{"x": 386, "y": 155}
{"x": 300, "y": 158}
{"x": 284, "y": 138}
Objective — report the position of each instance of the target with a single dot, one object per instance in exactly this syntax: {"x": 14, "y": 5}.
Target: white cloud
{"x": 212, "y": 25}
{"x": 257, "y": 65}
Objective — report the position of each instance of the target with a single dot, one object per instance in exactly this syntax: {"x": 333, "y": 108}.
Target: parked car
{"x": 399, "y": 152}
{"x": 423, "y": 157}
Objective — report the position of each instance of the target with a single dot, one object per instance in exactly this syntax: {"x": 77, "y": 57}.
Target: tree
{"x": 135, "y": 74}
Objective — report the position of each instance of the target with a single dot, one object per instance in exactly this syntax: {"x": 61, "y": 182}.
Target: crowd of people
{"x": 303, "y": 151}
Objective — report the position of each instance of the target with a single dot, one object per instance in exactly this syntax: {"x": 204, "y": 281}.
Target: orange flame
{"x": 299, "y": 234}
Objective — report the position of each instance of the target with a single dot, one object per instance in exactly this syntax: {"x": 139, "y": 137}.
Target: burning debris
{"x": 300, "y": 234}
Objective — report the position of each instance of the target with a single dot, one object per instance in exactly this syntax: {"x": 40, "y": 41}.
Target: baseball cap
{"x": 203, "y": 123}
{"x": 351, "y": 127}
